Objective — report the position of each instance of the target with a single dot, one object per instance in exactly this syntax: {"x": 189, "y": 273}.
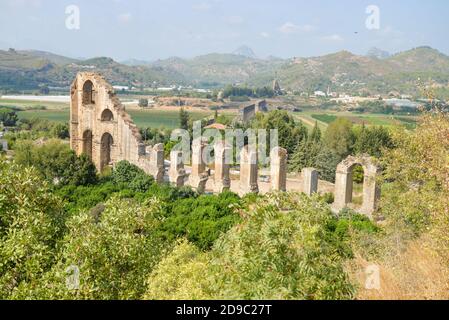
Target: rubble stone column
{"x": 278, "y": 169}
{"x": 222, "y": 168}
{"x": 177, "y": 172}
{"x": 248, "y": 171}
{"x": 157, "y": 162}
{"x": 198, "y": 176}
{"x": 309, "y": 181}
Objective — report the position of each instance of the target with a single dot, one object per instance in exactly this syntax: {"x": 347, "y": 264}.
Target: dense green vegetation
{"x": 127, "y": 237}
{"x": 235, "y": 91}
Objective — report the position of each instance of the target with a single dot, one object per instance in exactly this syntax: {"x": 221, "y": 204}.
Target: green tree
{"x": 60, "y": 131}
{"x": 290, "y": 132}
{"x": 339, "y": 137}
{"x": 305, "y": 155}
{"x": 326, "y": 163}
{"x": 8, "y": 117}
{"x": 31, "y": 222}
{"x": 315, "y": 135}
{"x": 56, "y": 162}
{"x": 143, "y": 103}
{"x": 372, "y": 141}
{"x": 184, "y": 119}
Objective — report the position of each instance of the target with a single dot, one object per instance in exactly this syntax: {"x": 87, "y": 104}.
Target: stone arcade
{"x": 101, "y": 129}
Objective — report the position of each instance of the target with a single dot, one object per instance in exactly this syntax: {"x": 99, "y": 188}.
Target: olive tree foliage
{"x": 282, "y": 250}
{"x": 56, "y": 162}
{"x": 113, "y": 249}
{"x": 31, "y": 222}
{"x": 416, "y": 178}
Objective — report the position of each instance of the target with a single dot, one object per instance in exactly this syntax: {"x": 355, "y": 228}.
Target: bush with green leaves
{"x": 31, "y": 222}
{"x": 56, "y": 162}
{"x": 133, "y": 176}
{"x": 113, "y": 252}
{"x": 201, "y": 220}
{"x": 283, "y": 249}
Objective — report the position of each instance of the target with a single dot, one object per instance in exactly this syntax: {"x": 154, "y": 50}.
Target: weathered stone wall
{"x": 101, "y": 128}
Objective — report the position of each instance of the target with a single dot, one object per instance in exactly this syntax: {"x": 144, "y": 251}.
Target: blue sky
{"x": 152, "y": 29}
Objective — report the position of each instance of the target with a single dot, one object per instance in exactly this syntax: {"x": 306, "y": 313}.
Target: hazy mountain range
{"x": 376, "y": 72}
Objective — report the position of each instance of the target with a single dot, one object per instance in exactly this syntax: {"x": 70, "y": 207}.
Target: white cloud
{"x": 234, "y": 20}
{"x": 333, "y": 37}
{"x": 202, "y": 7}
{"x": 125, "y": 17}
{"x": 264, "y": 34}
{"x": 291, "y": 28}
{"x": 22, "y": 3}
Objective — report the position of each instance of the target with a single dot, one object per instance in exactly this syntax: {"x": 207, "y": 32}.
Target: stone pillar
{"x": 248, "y": 171}
{"x": 343, "y": 188}
{"x": 177, "y": 172}
{"x": 198, "y": 176}
{"x": 222, "y": 180}
{"x": 309, "y": 181}
{"x": 278, "y": 168}
{"x": 157, "y": 162}
{"x": 371, "y": 193}
{"x": 344, "y": 184}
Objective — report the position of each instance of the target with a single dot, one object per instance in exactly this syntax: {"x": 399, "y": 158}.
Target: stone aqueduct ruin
{"x": 101, "y": 128}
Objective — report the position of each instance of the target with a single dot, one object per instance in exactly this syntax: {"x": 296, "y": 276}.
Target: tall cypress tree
{"x": 183, "y": 119}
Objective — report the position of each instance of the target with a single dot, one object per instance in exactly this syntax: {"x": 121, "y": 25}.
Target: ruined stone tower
{"x": 101, "y": 129}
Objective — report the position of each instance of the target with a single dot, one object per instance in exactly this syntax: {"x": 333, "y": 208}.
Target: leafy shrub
{"x": 201, "y": 219}
{"x": 31, "y": 222}
{"x": 113, "y": 255}
{"x": 56, "y": 162}
{"x": 283, "y": 249}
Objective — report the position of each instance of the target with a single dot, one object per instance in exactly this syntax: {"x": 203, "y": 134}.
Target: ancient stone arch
{"x": 106, "y": 150}
{"x": 101, "y": 128}
{"x": 107, "y": 115}
{"x": 344, "y": 184}
{"x": 88, "y": 93}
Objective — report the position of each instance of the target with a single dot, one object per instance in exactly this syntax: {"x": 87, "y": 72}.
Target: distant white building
{"x": 319, "y": 94}
{"x": 120, "y": 88}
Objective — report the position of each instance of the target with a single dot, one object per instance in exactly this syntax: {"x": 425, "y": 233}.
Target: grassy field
{"x": 367, "y": 119}
{"x": 59, "y": 112}
{"x": 62, "y": 115}
{"x": 159, "y": 118}
{"x": 142, "y": 118}
{"x": 34, "y": 104}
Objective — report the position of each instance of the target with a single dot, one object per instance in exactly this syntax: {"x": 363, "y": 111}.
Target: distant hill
{"x": 341, "y": 71}
{"x": 246, "y": 52}
{"x": 135, "y": 62}
{"x": 378, "y": 53}
{"x": 53, "y": 58}
{"x": 218, "y": 69}
{"x": 32, "y": 69}
{"x": 346, "y": 72}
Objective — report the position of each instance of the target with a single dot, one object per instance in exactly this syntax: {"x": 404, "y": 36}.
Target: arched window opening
{"x": 88, "y": 93}
{"x": 357, "y": 174}
{"x": 105, "y": 150}
{"x": 107, "y": 115}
